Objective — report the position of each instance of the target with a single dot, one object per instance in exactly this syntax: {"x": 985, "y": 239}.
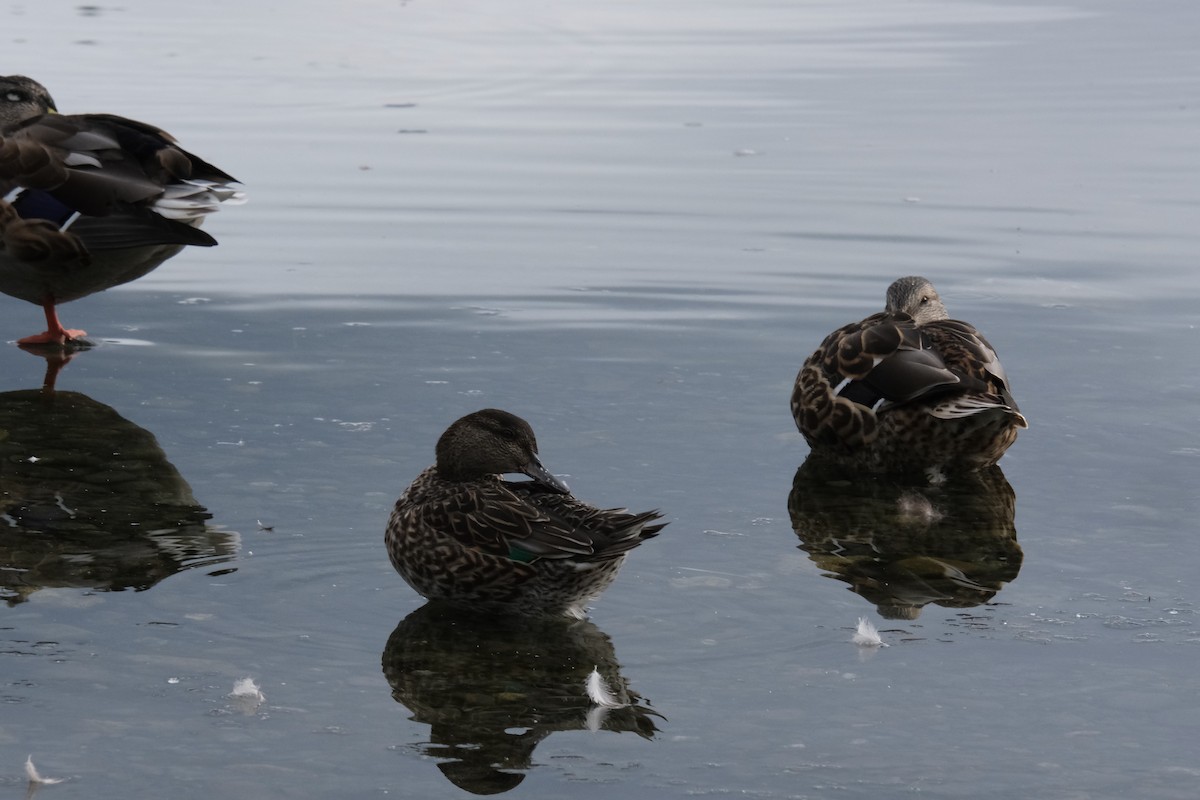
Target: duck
{"x": 461, "y": 534}
{"x": 907, "y": 391}
{"x": 91, "y": 201}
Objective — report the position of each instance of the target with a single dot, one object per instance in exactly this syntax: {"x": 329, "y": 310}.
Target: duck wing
{"x": 969, "y": 355}
{"x": 884, "y": 360}
{"x": 136, "y": 228}
{"x": 499, "y": 519}
{"x": 609, "y": 532}
{"x": 147, "y": 189}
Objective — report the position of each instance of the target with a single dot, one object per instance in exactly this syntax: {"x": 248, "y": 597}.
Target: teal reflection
{"x": 903, "y": 546}
{"x": 88, "y": 500}
{"x": 491, "y": 689}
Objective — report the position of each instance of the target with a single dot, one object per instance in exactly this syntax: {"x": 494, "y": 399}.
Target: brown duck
{"x": 462, "y": 534}
{"x": 91, "y": 201}
{"x": 908, "y": 390}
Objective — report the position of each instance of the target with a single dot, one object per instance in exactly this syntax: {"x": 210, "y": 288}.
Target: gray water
{"x": 628, "y": 222}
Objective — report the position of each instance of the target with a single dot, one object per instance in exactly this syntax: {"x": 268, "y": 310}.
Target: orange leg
{"x": 55, "y": 333}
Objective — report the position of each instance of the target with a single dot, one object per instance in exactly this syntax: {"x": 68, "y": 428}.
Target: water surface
{"x": 628, "y": 223}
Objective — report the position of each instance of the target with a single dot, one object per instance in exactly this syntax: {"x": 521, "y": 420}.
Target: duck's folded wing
{"x": 499, "y": 521}
{"x": 909, "y": 373}
{"x": 151, "y": 144}
{"x": 969, "y": 354}
{"x": 136, "y": 228}
{"x": 885, "y": 359}
{"x": 98, "y": 163}
{"x": 969, "y": 405}
{"x": 610, "y": 532}
{"x": 85, "y": 169}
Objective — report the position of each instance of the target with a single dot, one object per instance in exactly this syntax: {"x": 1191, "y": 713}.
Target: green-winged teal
{"x": 907, "y": 390}
{"x": 460, "y": 533}
{"x": 90, "y": 201}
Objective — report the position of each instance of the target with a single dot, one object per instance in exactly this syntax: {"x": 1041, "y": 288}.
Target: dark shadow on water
{"x": 903, "y": 547}
{"x": 88, "y": 500}
{"x": 491, "y": 689}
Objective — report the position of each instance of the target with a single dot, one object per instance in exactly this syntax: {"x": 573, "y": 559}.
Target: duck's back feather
{"x": 105, "y": 166}
{"x": 603, "y": 533}
{"x": 499, "y": 517}
{"x": 489, "y": 543}
{"x": 873, "y": 391}
{"x": 487, "y": 516}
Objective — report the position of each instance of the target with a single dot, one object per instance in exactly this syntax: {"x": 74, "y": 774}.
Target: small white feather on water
{"x": 866, "y": 635}
{"x": 246, "y": 687}
{"x": 35, "y": 776}
{"x": 246, "y": 696}
{"x": 600, "y": 694}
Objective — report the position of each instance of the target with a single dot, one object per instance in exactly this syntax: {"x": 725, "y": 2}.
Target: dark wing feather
{"x": 84, "y": 168}
{"x": 496, "y": 519}
{"x": 98, "y": 163}
{"x": 608, "y": 532}
{"x": 150, "y": 143}
{"x": 970, "y": 355}
{"x": 101, "y": 166}
{"x": 885, "y": 357}
{"x": 136, "y": 229}
{"x": 909, "y": 373}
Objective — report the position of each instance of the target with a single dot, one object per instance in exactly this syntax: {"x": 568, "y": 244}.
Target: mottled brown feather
{"x": 41, "y": 243}
{"x": 461, "y": 534}
{"x": 907, "y": 390}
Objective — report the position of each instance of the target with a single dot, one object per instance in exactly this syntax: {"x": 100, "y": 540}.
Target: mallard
{"x": 90, "y": 201}
{"x": 907, "y": 390}
{"x": 460, "y": 533}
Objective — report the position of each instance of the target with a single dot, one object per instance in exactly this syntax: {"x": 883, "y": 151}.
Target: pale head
{"x": 916, "y": 297}
{"x": 22, "y": 98}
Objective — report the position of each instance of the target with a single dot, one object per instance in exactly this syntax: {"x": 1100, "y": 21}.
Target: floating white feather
{"x": 866, "y": 635}
{"x": 246, "y": 697}
{"x": 246, "y": 687}
{"x": 35, "y": 776}
{"x": 600, "y": 694}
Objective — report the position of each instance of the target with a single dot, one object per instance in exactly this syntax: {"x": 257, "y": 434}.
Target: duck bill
{"x": 535, "y": 470}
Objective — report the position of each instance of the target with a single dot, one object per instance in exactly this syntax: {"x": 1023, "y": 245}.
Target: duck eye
{"x": 502, "y": 431}
{"x": 14, "y": 96}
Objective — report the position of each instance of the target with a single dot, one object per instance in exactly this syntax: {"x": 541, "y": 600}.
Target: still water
{"x": 629, "y": 223}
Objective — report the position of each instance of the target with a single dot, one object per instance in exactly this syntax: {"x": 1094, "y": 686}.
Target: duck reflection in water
{"x": 492, "y": 688}
{"x": 903, "y": 546}
{"x": 88, "y": 500}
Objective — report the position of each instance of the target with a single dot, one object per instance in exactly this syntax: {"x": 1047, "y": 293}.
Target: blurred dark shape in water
{"x": 88, "y": 500}
{"x": 56, "y": 357}
{"x": 492, "y": 688}
{"x": 904, "y": 546}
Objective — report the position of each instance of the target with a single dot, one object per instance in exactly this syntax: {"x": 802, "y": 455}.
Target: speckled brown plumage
{"x": 907, "y": 390}
{"x": 462, "y": 534}
{"x": 91, "y": 201}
